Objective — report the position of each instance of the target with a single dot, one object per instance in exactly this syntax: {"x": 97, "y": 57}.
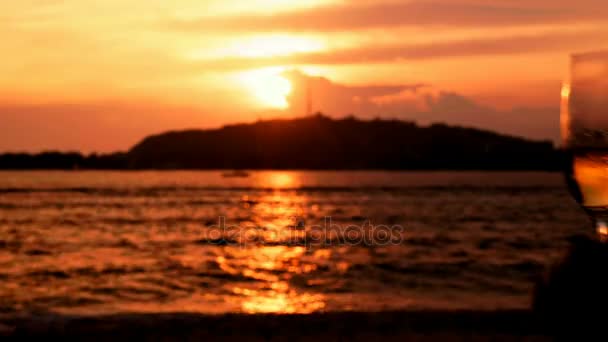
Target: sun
{"x": 267, "y": 86}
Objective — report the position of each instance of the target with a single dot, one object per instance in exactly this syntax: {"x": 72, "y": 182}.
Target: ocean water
{"x": 283, "y": 242}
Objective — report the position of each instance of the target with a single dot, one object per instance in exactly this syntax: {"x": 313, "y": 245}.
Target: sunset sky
{"x": 94, "y": 75}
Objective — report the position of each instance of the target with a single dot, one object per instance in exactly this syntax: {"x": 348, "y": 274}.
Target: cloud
{"x": 338, "y": 99}
{"x": 445, "y": 13}
{"x": 530, "y": 43}
{"x": 418, "y": 102}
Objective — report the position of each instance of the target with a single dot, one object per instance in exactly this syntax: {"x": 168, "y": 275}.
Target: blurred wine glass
{"x": 584, "y": 122}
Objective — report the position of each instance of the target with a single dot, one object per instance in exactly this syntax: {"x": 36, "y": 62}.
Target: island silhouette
{"x": 313, "y": 143}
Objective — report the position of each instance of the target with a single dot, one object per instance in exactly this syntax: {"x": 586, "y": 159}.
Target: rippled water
{"x": 102, "y": 242}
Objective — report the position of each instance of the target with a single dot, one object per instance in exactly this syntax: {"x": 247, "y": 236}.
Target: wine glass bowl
{"x": 584, "y": 125}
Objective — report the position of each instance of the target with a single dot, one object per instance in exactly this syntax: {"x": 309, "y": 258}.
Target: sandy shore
{"x": 387, "y": 326}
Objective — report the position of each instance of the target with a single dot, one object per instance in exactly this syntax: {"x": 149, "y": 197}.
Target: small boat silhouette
{"x": 236, "y": 174}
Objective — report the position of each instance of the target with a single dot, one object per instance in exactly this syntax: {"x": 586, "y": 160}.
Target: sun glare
{"x": 269, "y": 88}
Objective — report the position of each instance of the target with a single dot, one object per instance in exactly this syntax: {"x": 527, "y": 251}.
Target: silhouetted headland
{"x": 314, "y": 143}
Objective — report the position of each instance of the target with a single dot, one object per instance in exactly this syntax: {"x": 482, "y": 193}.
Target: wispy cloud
{"x": 450, "y": 13}
{"x": 531, "y": 43}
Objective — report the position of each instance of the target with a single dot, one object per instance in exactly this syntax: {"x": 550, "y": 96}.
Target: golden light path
{"x": 276, "y": 267}
{"x": 278, "y": 296}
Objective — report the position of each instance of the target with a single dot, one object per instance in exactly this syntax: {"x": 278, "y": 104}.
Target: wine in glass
{"x": 584, "y": 122}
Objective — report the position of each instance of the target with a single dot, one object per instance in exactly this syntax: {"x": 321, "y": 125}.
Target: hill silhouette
{"x": 316, "y": 142}
{"x": 319, "y": 142}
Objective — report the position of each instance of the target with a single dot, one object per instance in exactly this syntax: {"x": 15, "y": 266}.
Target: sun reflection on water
{"x": 273, "y": 268}
{"x": 281, "y": 301}
{"x": 282, "y": 180}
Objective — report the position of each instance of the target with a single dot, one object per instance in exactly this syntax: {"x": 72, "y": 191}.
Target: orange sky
{"x": 100, "y": 75}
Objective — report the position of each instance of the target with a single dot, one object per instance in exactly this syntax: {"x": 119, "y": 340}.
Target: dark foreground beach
{"x": 386, "y": 326}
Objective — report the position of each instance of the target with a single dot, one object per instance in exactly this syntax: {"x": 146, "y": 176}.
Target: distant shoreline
{"x": 314, "y": 143}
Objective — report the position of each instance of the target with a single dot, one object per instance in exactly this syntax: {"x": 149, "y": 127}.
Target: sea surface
{"x": 277, "y": 242}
